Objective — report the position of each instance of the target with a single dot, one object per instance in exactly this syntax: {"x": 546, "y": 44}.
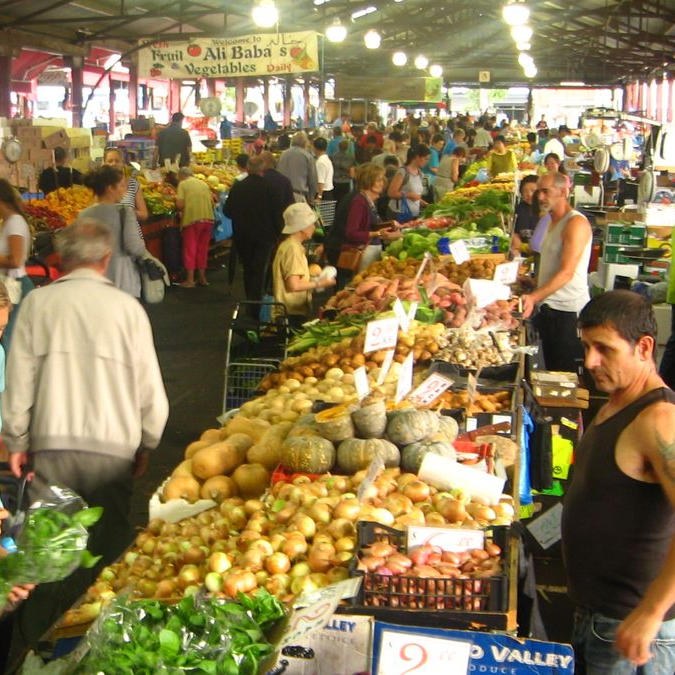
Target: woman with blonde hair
{"x": 133, "y": 197}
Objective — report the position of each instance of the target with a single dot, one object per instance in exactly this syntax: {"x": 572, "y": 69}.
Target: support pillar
{"x": 240, "y": 95}
{"x": 111, "y": 105}
{"x": 288, "y": 101}
{"x": 5, "y": 86}
{"x": 210, "y": 86}
{"x": 305, "y": 101}
{"x": 133, "y": 90}
{"x": 174, "y": 96}
{"x": 76, "y": 64}
{"x": 266, "y": 95}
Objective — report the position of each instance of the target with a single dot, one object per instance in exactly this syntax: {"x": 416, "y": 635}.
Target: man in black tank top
{"x": 618, "y": 526}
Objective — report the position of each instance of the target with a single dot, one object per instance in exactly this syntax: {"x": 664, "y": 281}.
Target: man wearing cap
{"x": 300, "y": 168}
{"x": 174, "y": 141}
{"x": 290, "y": 270}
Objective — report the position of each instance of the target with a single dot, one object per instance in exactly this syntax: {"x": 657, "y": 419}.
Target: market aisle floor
{"x": 190, "y": 330}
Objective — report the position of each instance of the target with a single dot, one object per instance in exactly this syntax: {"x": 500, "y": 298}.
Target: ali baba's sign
{"x": 248, "y": 55}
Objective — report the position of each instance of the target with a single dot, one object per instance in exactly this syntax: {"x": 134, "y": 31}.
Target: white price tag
{"x": 361, "y": 382}
{"x": 374, "y": 470}
{"x": 546, "y": 528}
{"x": 381, "y": 334}
{"x": 430, "y": 389}
{"x": 404, "y": 653}
{"x": 426, "y": 258}
{"x": 401, "y": 315}
{"x": 506, "y": 273}
{"x": 447, "y": 538}
{"x": 471, "y": 386}
{"x": 404, "y": 384}
{"x": 384, "y": 368}
{"x": 312, "y": 616}
{"x": 459, "y": 251}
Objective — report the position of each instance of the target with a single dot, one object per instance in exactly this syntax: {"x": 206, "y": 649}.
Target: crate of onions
{"x": 427, "y": 577}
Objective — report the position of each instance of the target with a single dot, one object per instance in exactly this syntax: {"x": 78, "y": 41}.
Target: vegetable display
{"x": 197, "y": 635}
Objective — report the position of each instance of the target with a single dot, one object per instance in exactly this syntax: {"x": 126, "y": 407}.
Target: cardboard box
{"x": 82, "y": 164}
{"x": 609, "y": 271}
{"x": 80, "y": 142}
{"x": 28, "y": 134}
{"x": 57, "y": 139}
{"x": 48, "y": 130}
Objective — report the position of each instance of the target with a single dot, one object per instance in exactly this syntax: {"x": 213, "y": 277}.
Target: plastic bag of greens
{"x": 52, "y": 541}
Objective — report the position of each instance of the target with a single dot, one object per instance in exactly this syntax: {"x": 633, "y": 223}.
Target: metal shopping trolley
{"x": 257, "y": 340}
{"x": 327, "y": 212}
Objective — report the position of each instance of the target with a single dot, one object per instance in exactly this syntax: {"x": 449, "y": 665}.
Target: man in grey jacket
{"x": 84, "y": 403}
{"x": 300, "y": 168}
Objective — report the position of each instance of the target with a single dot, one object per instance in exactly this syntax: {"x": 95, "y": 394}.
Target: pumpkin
{"x": 410, "y": 425}
{"x": 311, "y": 454}
{"x": 355, "y": 454}
{"x": 267, "y": 451}
{"x": 448, "y": 429}
{"x": 305, "y": 425}
{"x": 181, "y": 487}
{"x": 413, "y": 454}
{"x": 335, "y": 424}
{"x": 218, "y": 459}
{"x": 251, "y": 480}
{"x": 370, "y": 420}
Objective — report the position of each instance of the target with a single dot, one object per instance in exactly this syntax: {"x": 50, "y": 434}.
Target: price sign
{"x": 311, "y": 617}
{"x": 430, "y": 389}
{"x": 404, "y": 318}
{"x": 384, "y": 368}
{"x": 506, "y": 273}
{"x": 381, "y": 334}
{"x": 361, "y": 382}
{"x": 546, "y": 528}
{"x": 459, "y": 251}
{"x": 417, "y": 654}
{"x": 425, "y": 260}
{"x": 471, "y": 386}
{"x": 374, "y": 470}
{"x": 449, "y": 539}
{"x": 404, "y": 384}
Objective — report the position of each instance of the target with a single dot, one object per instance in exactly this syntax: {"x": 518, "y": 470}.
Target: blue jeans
{"x": 593, "y": 641}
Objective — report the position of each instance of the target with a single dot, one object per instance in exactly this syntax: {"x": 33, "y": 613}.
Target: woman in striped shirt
{"x": 133, "y": 197}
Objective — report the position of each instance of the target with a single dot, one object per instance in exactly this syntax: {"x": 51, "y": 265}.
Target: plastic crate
{"x": 435, "y": 595}
{"x": 242, "y": 379}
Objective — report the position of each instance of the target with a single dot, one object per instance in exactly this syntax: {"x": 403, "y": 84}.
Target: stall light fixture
{"x": 523, "y": 46}
{"x": 399, "y": 58}
{"x": 530, "y": 71}
{"x": 265, "y": 14}
{"x": 525, "y": 59}
{"x": 435, "y": 70}
{"x": 421, "y": 62}
{"x": 363, "y": 12}
{"x": 521, "y": 33}
{"x": 336, "y": 32}
{"x": 515, "y": 13}
{"x": 372, "y": 39}
{"x": 572, "y": 84}
{"x": 318, "y": 3}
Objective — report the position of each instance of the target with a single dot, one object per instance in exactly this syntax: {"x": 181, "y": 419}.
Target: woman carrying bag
{"x": 407, "y": 186}
{"x": 109, "y": 186}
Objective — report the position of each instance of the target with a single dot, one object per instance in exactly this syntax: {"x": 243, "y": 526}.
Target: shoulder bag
{"x": 350, "y": 257}
{"x": 153, "y": 274}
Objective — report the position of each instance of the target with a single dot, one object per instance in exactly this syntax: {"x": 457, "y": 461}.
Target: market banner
{"x": 244, "y": 56}
{"x": 420, "y": 89}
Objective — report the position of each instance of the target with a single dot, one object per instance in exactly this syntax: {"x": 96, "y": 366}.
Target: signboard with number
{"x": 381, "y": 334}
{"x": 506, "y": 273}
{"x": 459, "y": 251}
{"x": 404, "y": 383}
{"x": 410, "y": 653}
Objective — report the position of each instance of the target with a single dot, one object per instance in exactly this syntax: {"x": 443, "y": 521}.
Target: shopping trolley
{"x": 257, "y": 341}
{"x": 327, "y": 213}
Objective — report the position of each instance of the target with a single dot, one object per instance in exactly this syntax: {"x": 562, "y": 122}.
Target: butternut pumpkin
{"x": 219, "y": 488}
{"x": 194, "y": 446}
{"x": 254, "y": 428}
{"x": 218, "y": 459}
{"x": 181, "y": 487}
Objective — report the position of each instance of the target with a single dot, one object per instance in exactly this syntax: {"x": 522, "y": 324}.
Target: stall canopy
{"x": 591, "y": 41}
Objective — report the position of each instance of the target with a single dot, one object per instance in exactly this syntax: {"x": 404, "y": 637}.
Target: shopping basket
{"x": 257, "y": 341}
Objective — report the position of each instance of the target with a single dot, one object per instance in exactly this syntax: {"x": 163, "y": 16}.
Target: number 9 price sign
{"x": 410, "y": 653}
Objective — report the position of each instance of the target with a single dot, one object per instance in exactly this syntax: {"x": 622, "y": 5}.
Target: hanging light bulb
{"x": 515, "y": 13}
{"x": 336, "y": 32}
{"x": 372, "y": 39}
{"x": 421, "y": 62}
{"x": 525, "y": 59}
{"x": 523, "y": 46}
{"x": 399, "y": 58}
{"x": 530, "y": 71}
{"x": 435, "y": 70}
{"x": 521, "y": 33}
{"x": 265, "y": 14}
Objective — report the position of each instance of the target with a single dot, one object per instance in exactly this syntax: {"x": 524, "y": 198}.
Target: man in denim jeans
{"x": 618, "y": 524}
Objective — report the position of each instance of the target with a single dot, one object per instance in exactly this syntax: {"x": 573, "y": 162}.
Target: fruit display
{"x": 219, "y": 178}
{"x": 160, "y": 198}
{"x": 67, "y": 202}
{"x": 323, "y": 333}
{"x": 492, "y": 402}
{"x": 42, "y": 218}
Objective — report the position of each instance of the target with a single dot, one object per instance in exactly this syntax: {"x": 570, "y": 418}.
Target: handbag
{"x": 405, "y": 214}
{"x": 350, "y": 258}
{"x": 154, "y": 277}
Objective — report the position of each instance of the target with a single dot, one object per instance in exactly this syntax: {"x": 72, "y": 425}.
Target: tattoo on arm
{"x": 667, "y": 450}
